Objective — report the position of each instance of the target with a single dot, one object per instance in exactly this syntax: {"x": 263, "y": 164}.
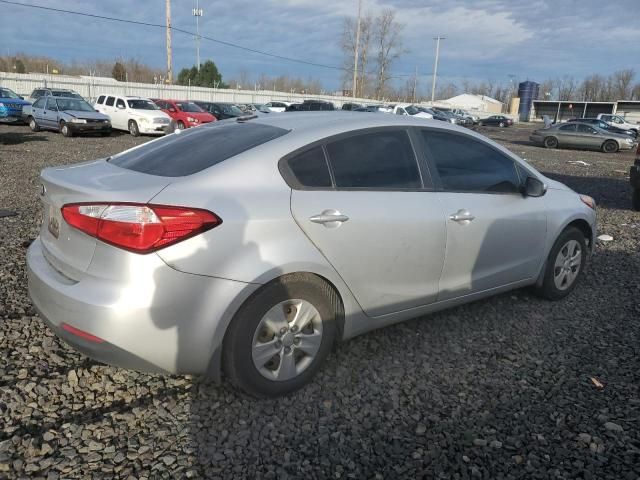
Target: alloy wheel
{"x": 567, "y": 265}
{"x": 287, "y": 340}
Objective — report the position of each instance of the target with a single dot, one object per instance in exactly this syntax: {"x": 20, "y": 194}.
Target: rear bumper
{"x": 160, "y": 321}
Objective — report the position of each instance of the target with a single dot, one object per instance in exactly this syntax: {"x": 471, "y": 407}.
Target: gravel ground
{"x": 497, "y": 389}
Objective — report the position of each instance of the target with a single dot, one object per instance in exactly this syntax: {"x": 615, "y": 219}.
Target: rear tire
{"x": 33, "y": 125}
{"x": 635, "y": 199}
{"x": 551, "y": 142}
{"x": 267, "y": 321}
{"x": 133, "y": 128}
{"x": 565, "y": 265}
{"x": 65, "y": 130}
{"x": 610, "y": 146}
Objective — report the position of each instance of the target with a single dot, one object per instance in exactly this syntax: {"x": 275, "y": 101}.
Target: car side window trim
{"x": 424, "y": 174}
{"x": 438, "y": 185}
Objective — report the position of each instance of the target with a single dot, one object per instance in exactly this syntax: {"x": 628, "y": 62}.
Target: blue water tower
{"x": 528, "y": 92}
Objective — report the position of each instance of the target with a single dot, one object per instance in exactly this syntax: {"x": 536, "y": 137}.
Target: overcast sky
{"x": 485, "y": 39}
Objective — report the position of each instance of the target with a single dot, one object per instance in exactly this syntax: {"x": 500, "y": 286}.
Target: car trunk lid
{"x": 67, "y": 249}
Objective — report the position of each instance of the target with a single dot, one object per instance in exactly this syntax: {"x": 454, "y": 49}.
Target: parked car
{"x": 605, "y": 126}
{"x": 277, "y": 107}
{"x": 294, "y": 107}
{"x": 221, "y": 110}
{"x": 436, "y": 114}
{"x": 464, "y": 114}
{"x": 351, "y": 106}
{"x": 11, "y": 105}
{"x": 374, "y": 109}
{"x": 581, "y": 135}
{"x": 315, "y": 106}
{"x": 452, "y": 117}
{"x": 137, "y": 115}
{"x": 53, "y": 92}
{"x": 185, "y": 113}
{"x": 618, "y": 121}
{"x": 409, "y": 109}
{"x": 496, "y": 121}
{"x": 262, "y": 108}
{"x": 260, "y": 274}
{"x": 69, "y": 116}
{"x": 634, "y": 179}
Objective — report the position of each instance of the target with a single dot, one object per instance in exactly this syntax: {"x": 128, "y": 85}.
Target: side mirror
{"x": 21, "y": 97}
{"x": 534, "y": 187}
{"x": 97, "y": 110}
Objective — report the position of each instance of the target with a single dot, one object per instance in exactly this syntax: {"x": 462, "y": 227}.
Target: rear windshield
{"x": 195, "y": 149}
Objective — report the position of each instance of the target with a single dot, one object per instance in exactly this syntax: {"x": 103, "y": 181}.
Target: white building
{"x": 481, "y": 103}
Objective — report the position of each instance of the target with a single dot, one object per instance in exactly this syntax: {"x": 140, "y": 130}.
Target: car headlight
{"x": 78, "y": 120}
{"x": 191, "y": 119}
{"x": 143, "y": 119}
{"x": 1, "y": 104}
{"x": 629, "y": 140}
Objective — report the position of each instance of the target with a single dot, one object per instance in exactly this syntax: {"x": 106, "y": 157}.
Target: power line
{"x": 180, "y": 30}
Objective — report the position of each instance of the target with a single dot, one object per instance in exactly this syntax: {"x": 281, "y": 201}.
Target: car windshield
{"x": 6, "y": 93}
{"x": 142, "y": 105}
{"x": 412, "y": 109}
{"x": 65, "y": 93}
{"x": 74, "y": 104}
{"x": 195, "y": 149}
{"x": 189, "y": 107}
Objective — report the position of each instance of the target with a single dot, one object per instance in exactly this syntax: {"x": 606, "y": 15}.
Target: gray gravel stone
{"x": 407, "y": 401}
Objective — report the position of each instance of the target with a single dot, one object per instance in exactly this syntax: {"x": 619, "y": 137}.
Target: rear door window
{"x": 308, "y": 170}
{"x": 110, "y": 101}
{"x": 195, "y": 149}
{"x": 120, "y": 103}
{"x": 377, "y": 160}
{"x": 586, "y": 129}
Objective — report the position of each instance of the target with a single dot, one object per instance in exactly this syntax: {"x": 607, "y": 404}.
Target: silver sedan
{"x": 251, "y": 246}
{"x": 581, "y": 135}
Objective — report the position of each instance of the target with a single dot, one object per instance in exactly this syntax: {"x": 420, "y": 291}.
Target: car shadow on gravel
{"x": 18, "y": 138}
{"x": 609, "y": 192}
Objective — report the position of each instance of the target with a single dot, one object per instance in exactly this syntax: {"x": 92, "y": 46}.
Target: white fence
{"x": 91, "y": 87}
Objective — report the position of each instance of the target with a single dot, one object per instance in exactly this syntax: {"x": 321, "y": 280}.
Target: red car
{"x": 185, "y": 113}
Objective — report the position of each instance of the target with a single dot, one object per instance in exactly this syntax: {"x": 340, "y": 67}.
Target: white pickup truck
{"x": 618, "y": 121}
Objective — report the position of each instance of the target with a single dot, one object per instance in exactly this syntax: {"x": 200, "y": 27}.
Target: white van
{"x": 137, "y": 115}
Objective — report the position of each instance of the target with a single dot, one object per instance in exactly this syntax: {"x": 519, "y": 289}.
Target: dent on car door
{"x": 364, "y": 208}
{"x": 495, "y": 235}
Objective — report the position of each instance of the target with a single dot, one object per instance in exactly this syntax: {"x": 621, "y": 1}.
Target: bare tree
{"x": 387, "y": 35}
{"x": 622, "y": 80}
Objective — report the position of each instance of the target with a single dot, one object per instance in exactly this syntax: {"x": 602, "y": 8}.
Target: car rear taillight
{"x": 139, "y": 228}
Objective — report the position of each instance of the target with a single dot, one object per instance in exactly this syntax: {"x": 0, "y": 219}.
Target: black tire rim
{"x": 610, "y": 147}
{"x": 551, "y": 142}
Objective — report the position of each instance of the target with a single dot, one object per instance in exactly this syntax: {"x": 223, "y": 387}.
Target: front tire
{"x": 551, "y": 142}
{"x": 564, "y": 266}
{"x": 610, "y": 146}
{"x": 65, "y": 130}
{"x": 133, "y": 128}
{"x": 280, "y": 337}
{"x": 501, "y": 124}
{"x": 33, "y": 125}
{"x": 181, "y": 125}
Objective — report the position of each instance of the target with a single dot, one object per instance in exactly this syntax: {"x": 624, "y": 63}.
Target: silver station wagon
{"x": 251, "y": 246}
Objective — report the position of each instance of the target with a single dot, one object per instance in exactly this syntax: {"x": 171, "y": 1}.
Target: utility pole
{"x": 415, "y": 86}
{"x": 435, "y": 67}
{"x": 197, "y": 12}
{"x": 169, "y": 61}
{"x": 356, "y": 51}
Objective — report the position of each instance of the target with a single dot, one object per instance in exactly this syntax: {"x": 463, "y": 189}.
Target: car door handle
{"x": 329, "y": 217}
{"x": 462, "y": 216}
